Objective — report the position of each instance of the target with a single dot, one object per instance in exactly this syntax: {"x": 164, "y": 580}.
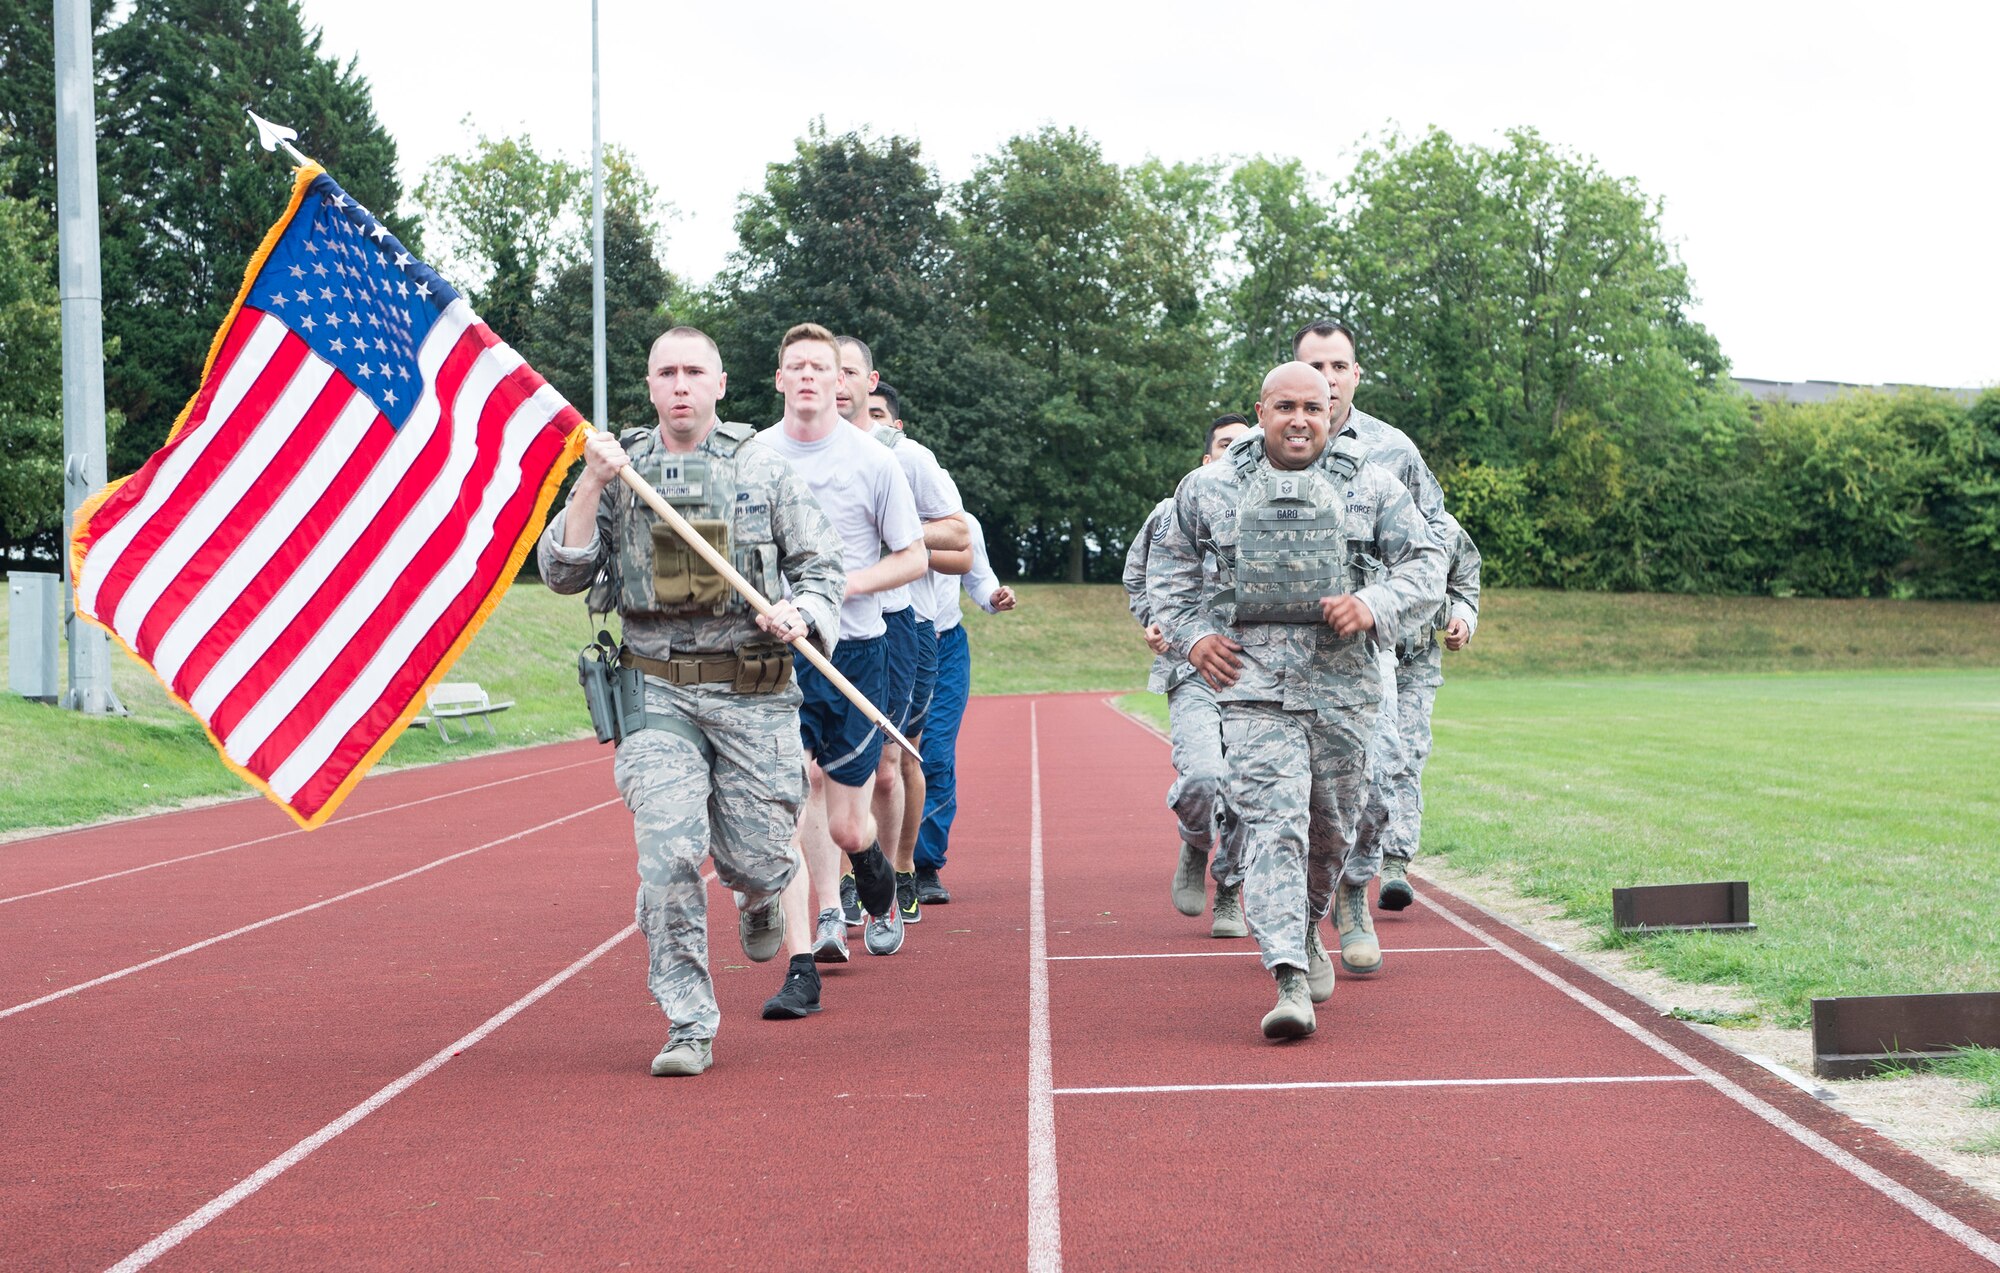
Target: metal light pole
{"x": 82, "y": 334}
{"x": 596, "y": 240}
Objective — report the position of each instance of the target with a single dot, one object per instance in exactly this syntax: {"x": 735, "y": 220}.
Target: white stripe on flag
{"x": 262, "y": 633}
{"x": 102, "y": 559}
{"x": 250, "y": 463}
{"x": 521, "y": 430}
{"x": 388, "y": 565}
{"x": 258, "y": 545}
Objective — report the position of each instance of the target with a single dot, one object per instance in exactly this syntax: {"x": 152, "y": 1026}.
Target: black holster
{"x": 598, "y": 672}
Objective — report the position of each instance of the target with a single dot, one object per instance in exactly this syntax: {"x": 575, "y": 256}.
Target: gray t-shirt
{"x": 864, "y": 494}
{"x": 936, "y": 496}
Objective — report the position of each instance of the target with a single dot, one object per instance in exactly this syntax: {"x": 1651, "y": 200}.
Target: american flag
{"x": 343, "y": 501}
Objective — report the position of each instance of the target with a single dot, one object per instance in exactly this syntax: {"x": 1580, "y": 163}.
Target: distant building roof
{"x": 1821, "y": 390}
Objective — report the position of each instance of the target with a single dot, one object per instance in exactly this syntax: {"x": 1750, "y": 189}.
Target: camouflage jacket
{"x": 1167, "y": 672}
{"x": 772, "y": 505}
{"x": 1301, "y": 666}
{"x": 1392, "y": 449}
{"x": 1422, "y": 656}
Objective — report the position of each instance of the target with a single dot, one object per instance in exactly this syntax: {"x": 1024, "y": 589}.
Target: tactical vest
{"x": 654, "y": 572}
{"x": 1291, "y": 549}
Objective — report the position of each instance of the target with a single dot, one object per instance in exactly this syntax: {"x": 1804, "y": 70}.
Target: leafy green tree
{"x": 852, "y": 232}
{"x": 640, "y": 299}
{"x": 1851, "y": 484}
{"x": 1964, "y": 509}
{"x": 189, "y": 195}
{"x": 502, "y": 213}
{"x": 1094, "y": 279}
{"x": 31, "y": 496}
{"x": 1285, "y": 244}
{"x": 1506, "y": 296}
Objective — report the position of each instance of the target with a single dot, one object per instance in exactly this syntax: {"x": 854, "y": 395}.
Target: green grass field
{"x": 1863, "y": 807}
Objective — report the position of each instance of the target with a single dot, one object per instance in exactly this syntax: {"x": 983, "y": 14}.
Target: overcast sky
{"x": 1827, "y": 168}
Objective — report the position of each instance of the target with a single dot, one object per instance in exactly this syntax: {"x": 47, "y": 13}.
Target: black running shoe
{"x": 874, "y": 880}
{"x": 850, "y": 902}
{"x": 799, "y": 996}
{"x": 930, "y": 889}
{"x": 906, "y": 898}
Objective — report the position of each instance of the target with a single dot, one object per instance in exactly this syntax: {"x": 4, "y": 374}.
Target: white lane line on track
{"x": 1331, "y": 1084}
{"x": 298, "y": 1153}
{"x": 279, "y": 835}
{"x": 1245, "y": 954}
{"x": 1923, "y": 1208}
{"x": 1044, "y": 1199}
{"x": 266, "y": 923}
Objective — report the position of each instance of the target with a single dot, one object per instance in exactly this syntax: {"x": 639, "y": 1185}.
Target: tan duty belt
{"x": 693, "y": 669}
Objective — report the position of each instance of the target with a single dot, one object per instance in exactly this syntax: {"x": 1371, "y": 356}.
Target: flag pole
{"x": 644, "y": 490}
{"x": 598, "y": 391}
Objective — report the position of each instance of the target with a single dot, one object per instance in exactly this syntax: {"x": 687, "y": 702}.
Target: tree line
{"x": 1062, "y": 327}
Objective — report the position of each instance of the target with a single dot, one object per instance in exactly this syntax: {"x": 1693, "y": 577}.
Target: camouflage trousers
{"x": 739, "y": 789}
{"x": 1387, "y": 763}
{"x": 1195, "y": 722}
{"x": 1296, "y": 785}
{"x": 1414, "y": 700}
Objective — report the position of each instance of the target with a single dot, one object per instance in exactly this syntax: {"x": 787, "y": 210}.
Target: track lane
{"x": 156, "y": 863}
{"x": 132, "y": 1105}
{"x": 886, "y": 1130}
{"x": 59, "y": 858}
{"x": 1658, "y": 1173}
{"x": 548, "y": 1142}
{"x": 62, "y": 940}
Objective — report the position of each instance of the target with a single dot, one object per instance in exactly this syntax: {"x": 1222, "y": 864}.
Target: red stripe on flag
{"x": 536, "y": 463}
{"x": 248, "y": 511}
{"x": 447, "y": 533}
{"x": 229, "y": 438}
{"x": 271, "y": 576}
{"x": 123, "y": 500}
{"x": 409, "y": 489}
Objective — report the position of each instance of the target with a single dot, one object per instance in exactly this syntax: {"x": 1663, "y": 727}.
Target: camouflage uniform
{"x": 720, "y": 766}
{"x": 1194, "y": 722}
{"x": 1390, "y": 764}
{"x": 1304, "y": 694}
{"x": 1420, "y": 671}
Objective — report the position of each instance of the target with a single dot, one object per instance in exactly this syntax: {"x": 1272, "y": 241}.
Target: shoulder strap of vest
{"x": 728, "y": 437}
{"x": 1245, "y": 451}
{"x": 1345, "y": 456}
{"x": 888, "y": 437}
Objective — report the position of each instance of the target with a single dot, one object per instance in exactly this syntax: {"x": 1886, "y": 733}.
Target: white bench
{"x": 459, "y": 700}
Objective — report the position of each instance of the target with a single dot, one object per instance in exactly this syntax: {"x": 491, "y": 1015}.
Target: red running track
{"x": 425, "y": 1045}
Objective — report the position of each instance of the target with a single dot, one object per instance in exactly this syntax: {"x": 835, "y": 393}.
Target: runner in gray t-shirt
{"x": 864, "y": 494}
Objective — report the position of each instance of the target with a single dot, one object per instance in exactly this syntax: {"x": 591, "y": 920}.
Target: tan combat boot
{"x": 1359, "y": 951}
{"x": 1293, "y": 1017}
{"x": 1319, "y": 968}
{"x": 1228, "y": 921}
{"x": 1190, "y": 889}
{"x": 1396, "y": 891}
{"x": 684, "y": 1058}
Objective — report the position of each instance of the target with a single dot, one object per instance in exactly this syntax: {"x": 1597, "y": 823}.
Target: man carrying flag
{"x": 717, "y": 760}
{"x": 346, "y": 497}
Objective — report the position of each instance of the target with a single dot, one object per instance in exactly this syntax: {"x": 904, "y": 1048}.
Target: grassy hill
{"x": 62, "y": 769}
